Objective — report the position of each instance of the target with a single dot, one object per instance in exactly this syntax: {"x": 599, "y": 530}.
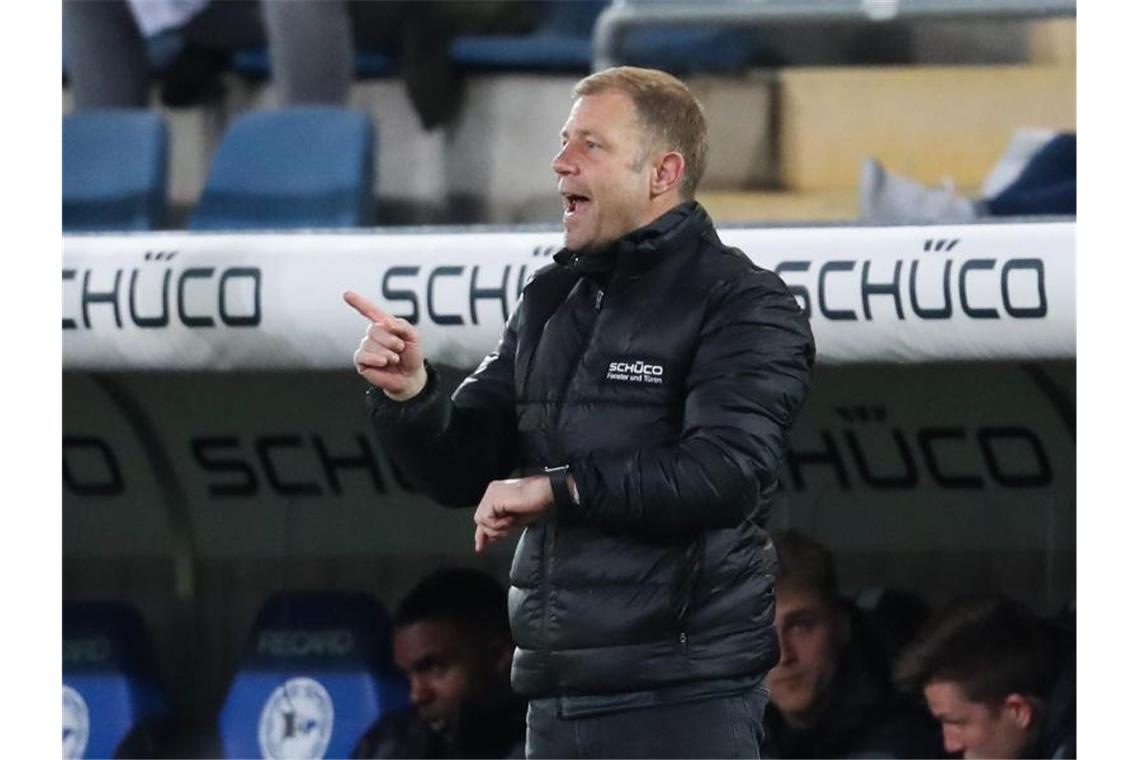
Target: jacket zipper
{"x": 552, "y": 527}
{"x": 690, "y": 589}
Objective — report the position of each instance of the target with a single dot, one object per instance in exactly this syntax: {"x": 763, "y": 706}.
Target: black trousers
{"x": 718, "y": 727}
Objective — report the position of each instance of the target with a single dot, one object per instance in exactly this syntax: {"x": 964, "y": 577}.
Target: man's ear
{"x": 667, "y": 173}
{"x": 1020, "y": 708}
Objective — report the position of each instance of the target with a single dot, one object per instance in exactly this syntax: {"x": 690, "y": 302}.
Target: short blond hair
{"x": 667, "y": 112}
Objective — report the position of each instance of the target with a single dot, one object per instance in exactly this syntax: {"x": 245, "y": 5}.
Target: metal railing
{"x": 623, "y": 15}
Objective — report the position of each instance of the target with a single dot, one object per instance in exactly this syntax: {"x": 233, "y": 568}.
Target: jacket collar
{"x": 642, "y": 248}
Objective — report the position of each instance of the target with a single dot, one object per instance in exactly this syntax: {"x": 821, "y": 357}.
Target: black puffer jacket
{"x": 666, "y": 372}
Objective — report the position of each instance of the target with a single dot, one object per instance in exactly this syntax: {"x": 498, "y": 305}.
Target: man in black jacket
{"x": 643, "y": 389}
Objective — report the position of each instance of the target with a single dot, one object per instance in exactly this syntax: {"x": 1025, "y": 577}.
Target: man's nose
{"x": 561, "y": 163}
{"x": 421, "y": 692}
{"x": 787, "y": 651}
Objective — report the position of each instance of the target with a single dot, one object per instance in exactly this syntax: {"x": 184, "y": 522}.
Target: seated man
{"x": 830, "y": 692}
{"x": 1000, "y": 681}
{"x": 453, "y": 642}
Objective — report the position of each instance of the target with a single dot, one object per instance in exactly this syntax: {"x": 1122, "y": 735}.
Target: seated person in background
{"x": 453, "y": 642}
{"x": 1001, "y": 681}
{"x": 1045, "y": 185}
{"x": 830, "y": 693}
{"x": 311, "y": 45}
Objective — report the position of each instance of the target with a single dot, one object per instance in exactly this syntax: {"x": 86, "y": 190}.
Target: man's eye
{"x": 591, "y": 144}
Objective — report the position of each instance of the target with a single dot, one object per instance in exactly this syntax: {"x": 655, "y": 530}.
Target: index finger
{"x": 364, "y": 307}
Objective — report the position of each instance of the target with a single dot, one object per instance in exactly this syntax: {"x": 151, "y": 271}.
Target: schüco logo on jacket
{"x": 639, "y": 371}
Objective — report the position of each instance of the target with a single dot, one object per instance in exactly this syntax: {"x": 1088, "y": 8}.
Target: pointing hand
{"x": 390, "y": 356}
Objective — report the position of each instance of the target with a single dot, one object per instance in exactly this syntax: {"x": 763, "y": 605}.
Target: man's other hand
{"x": 390, "y": 356}
{"x": 510, "y": 504}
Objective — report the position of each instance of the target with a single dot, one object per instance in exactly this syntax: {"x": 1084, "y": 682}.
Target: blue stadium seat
{"x": 694, "y": 49}
{"x": 253, "y": 63}
{"x": 316, "y": 673}
{"x": 291, "y": 168}
{"x": 562, "y": 42}
{"x": 114, "y": 170}
{"x": 111, "y": 691}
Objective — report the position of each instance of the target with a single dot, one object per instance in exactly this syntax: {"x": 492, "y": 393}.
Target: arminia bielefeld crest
{"x": 296, "y": 722}
{"x": 76, "y": 723}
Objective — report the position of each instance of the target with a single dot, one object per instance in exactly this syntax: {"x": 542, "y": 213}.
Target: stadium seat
{"x": 694, "y": 49}
{"x": 317, "y": 671}
{"x": 112, "y": 700}
{"x": 114, "y": 170}
{"x": 290, "y": 168}
{"x": 561, "y": 42}
{"x": 253, "y": 63}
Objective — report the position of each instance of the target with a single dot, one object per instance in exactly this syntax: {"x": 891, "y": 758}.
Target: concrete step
{"x": 927, "y": 122}
{"x": 780, "y": 206}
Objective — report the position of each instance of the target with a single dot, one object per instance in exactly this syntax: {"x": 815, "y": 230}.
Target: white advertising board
{"x": 210, "y": 302}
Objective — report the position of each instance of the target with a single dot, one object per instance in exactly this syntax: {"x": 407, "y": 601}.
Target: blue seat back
{"x": 316, "y": 673}
{"x": 561, "y": 42}
{"x": 368, "y": 63}
{"x": 114, "y": 170}
{"x": 290, "y": 168}
{"x": 694, "y": 48}
{"x": 570, "y": 18}
{"x": 110, "y": 680}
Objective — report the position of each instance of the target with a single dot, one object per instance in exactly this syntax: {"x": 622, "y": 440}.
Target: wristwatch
{"x": 565, "y": 496}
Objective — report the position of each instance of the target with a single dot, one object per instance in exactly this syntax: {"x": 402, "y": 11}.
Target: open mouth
{"x": 572, "y": 203}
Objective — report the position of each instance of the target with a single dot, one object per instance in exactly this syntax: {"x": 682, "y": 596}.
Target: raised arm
{"x": 449, "y": 450}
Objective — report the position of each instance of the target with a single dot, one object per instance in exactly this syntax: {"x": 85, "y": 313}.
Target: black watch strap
{"x": 560, "y": 485}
